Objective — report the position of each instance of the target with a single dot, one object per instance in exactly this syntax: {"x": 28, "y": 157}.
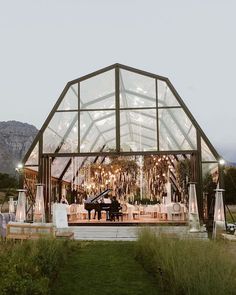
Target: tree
{"x": 7, "y": 181}
{"x": 230, "y": 185}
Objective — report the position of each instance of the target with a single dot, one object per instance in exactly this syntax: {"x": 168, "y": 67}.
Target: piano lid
{"x": 102, "y": 194}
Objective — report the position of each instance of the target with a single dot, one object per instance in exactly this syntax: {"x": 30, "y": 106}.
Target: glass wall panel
{"x": 34, "y": 168}
{"x": 136, "y": 91}
{"x": 34, "y": 156}
{"x": 86, "y": 124}
{"x": 210, "y": 178}
{"x": 58, "y": 165}
{"x": 70, "y": 100}
{"x": 76, "y": 165}
{"x": 68, "y": 175}
{"x": 206, "y": 153}
{"x": 61, "y": 133}
{"x": 165, "y": 95}
{"x": 176, "y": 130}
{"x": 93, "y": 131}
{"x": 210, "y": 169}
{"x": 98, "y": 92}
{"x": 138, "y": 130}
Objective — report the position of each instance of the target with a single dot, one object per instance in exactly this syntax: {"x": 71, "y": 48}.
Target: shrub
{"x": 31, "y": 267}
{"x": 8, "y": 181}
{"x": 187, "y": 266}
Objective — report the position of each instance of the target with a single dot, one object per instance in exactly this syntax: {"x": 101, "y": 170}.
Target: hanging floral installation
{"x": 156, "y": 175}
{"x": 119, "y": 174}
{"x": 183, "y": 173}
{"x": 134, "y": 178}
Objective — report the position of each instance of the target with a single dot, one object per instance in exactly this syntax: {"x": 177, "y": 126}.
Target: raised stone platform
{"x": 135, "y": 223}
{"x": 228, "y": 237}
{"x": 130, "y": 233}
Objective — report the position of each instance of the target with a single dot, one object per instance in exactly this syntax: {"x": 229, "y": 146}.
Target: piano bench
{"x": 115, "y": 215}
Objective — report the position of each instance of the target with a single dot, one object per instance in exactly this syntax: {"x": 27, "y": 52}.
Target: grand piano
{"x": 95, "y": 205}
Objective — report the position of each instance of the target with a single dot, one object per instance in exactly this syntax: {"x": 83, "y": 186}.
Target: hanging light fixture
{"x": 194, "y": 224}
{"x": 219, "y": 213}
{"x": 20, "y": 210}
{"x": 39, "y": 212}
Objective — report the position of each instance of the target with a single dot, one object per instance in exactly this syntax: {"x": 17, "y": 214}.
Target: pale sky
{"x": 44, "y": 44}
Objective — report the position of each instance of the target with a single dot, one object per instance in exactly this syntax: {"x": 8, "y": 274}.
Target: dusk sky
{"x": 45, "y": 44}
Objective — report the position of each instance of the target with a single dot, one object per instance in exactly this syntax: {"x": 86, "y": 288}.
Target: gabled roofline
{"x": 117, "y": 65}
{"x": 45, "y": 124}
{"x": 195, "y": 123}
{"x": 85, "y": 77}
{"x": 128, "y": 68}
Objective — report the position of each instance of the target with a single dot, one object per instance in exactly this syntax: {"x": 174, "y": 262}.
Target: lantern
{"x": 20, "y": 210}
{"x": 194, "y": 224}
{"x": 219, "y": 213}
{"x": 39, "y": 212}
{"x": 11, "y": 205}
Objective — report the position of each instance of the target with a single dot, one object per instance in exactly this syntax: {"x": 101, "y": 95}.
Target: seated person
{"x": 114, "y": 209}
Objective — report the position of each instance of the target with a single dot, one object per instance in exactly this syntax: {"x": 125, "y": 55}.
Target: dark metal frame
{"x": 117, "y": 67}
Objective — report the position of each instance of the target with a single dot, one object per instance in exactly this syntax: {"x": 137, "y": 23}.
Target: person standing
{"x": 64, "y": 200}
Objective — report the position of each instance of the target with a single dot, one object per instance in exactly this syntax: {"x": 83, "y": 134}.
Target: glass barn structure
{"x": 116, "y": 121}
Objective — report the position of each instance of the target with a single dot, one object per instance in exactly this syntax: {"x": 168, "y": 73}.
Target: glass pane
{"x": 136, "y": 91}
{"x": 210, "y": 169}
{"x": 93, "y": 131}
{"x": 85, "y": 174}
{"x": 176, "y": 130}
{"x": 34, "y": 168}
{"x": 98, "y": 92}
{"x": 61, "y": 133}
{"x": 206, "y": 153}
{"x": 34, "y": 156}
{"x": 70, "y": 100}
{"x": 138, "y": 130}
{"x": 70, "y": 175}
{"x": 58, "y": 165}
{"x": 165, "y": 95}
{"x": 210, "y": 178}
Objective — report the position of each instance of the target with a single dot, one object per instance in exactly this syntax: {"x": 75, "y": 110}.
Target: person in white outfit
{"x": 64, "y": 200}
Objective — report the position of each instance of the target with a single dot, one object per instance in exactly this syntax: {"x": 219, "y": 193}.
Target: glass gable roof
{"x": 70, "y": 100}
{"x": 98, "y": 92}
{"x": 117, "y": 109}
{"x": 136, "y": 91}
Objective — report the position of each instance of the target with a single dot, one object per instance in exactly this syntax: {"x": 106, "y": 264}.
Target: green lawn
{"x": 232, "y": 209}
{"x": 104, "y": 268}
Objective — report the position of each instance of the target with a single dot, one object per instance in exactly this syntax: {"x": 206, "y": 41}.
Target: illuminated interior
{"x": 127, "y": 130}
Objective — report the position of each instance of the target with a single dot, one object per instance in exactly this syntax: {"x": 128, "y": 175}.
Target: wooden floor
{"x": 141, "y": 220}
{"x": 102, "y": 222}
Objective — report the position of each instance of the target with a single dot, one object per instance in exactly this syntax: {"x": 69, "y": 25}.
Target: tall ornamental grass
{"x": 31, "y": 267}
{"x": 188, "y": 266}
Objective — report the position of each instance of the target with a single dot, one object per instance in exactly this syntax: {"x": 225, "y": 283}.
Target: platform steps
{"x": 130, "y": 233}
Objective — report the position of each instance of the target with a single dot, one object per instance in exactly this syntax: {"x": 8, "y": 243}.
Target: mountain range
{"x": 15, "y": 140}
